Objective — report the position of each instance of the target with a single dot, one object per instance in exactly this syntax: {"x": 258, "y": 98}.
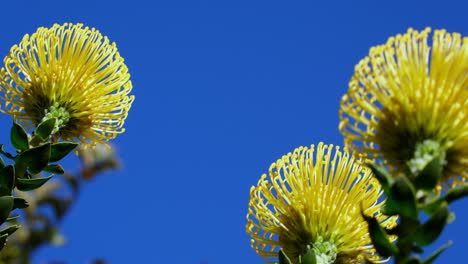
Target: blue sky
{"x": 223, "y": 88}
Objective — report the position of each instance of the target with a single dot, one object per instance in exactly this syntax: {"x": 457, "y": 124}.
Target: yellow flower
{"x": 408, "y": 104}
{"x": 71, "y": 73}
{"x": 314, "y": 201}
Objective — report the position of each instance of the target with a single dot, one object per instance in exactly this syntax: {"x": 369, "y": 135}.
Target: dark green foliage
{"x": 19, "y": 137}
{"x": 379, "y": 238}
{"x": 6, "y": 205}
{"x": 31, "y": 184}
{"x": 59, "y": 150}
{"x": 407, "y": 197}
{"x": 429, "y": 176}
{"x": 7, "y": 180}
{"x": 401, "y": 199}
{"x": 36, "y": 158}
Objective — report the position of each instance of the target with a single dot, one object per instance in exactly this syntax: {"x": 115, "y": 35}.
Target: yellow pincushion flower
{"x": 314, "y": 201}
{"x": 408, "y": 104}
{"x": 71, "y": 73}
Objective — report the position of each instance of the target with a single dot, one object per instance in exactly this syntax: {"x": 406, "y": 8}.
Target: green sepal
{"x": 431, "y": 229}
{"x": 401, "y": 199}
{"x": 382, "y": 175}
{"x": 44, "y": 130}
{"x": 31, "y": 184}
{"x": 436, "y": 253}
{"x": 379, "y": 238}
{"x": 428, "y": 178}
{"x": 6, "y": 154}
{"x": 9, "y": 230}
{"x": 6, "y": 205}
{"x": 19, "y": 137}
{"x": 283, "y": 259}
{"x": 7, "y": 180}
{"x": 309, "y": 258}
{"x": 20, "y": 203}
{"x": 59, "y": 150}
{"x": 3, "y": 239}
{"x": 36, "y": 158}
{"x": 54, "y": 168}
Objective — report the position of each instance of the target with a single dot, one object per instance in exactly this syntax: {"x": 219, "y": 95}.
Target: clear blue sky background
{"x": 223, "y": 88}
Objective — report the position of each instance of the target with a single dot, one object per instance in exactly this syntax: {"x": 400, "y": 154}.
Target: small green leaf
{"x": 44, "y": 130}
{"x": 6, "y": 205}
{"x": 31, "y": 184}
{"x": 36, "y": 158}
{"x": 431, "y": 229}
{"x": 9, "y": 230}
{"x": 382, "y": 175}
{"x": 401, "y": 199}
{"x": 19, "y": 203}
{"x": 379, "y": 238}
{"x": 439, "y": 251}
{"x": 59, "y": 150}
{"x": 19, "y": 137}
{"x": 2, "y": 163}
{"x": 6, "y": 154}
{"x": 7, "y": 180}
{"x": 309, "y": 258}
{"x": 12, "y": 218}
{"x": 428, "y": 178}
{"x": 54, "y": 168}
{"x": 457, "y": 193}
{"x": 283, "y": 259}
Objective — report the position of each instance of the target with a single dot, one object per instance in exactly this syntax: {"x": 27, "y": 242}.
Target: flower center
{"x": 58, "y": 112}
{"x": 424, "y": 153}
{"x": 325, "y": 251}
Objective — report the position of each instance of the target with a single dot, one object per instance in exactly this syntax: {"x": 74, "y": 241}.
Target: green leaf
{"x": 2, "y": 163}
{"x": 9, "y": 230}
{"x": 379, "y": 238}
{"x": 439, "y": 251}
{"x": 309, "y": 258}
{"x": 283, "y": 259}
{"x": 451, "y": 196}
{"x": 36, "y": 158}
{"x": 12, "y": 218}
{"x": 382, "y": 175}
{"x": 401, "y": 199}
{"x": 44, "y": 130}
{"x": 54, "y": 168}
{"x": 431, "y": 229}
{"x": 7, "y": 180}
{"x": 20, "y": 170}
{"x": 457, "y": 193}
{"x": 6, "y": 205}
{"x": 59, "y": 150}
{"x": 31, "y": 184}
{"x": 428, "y": 178}
{"x": 6, "y": 154}
{"x": 19, "y": 203}
{"x": 19, "y": 137}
